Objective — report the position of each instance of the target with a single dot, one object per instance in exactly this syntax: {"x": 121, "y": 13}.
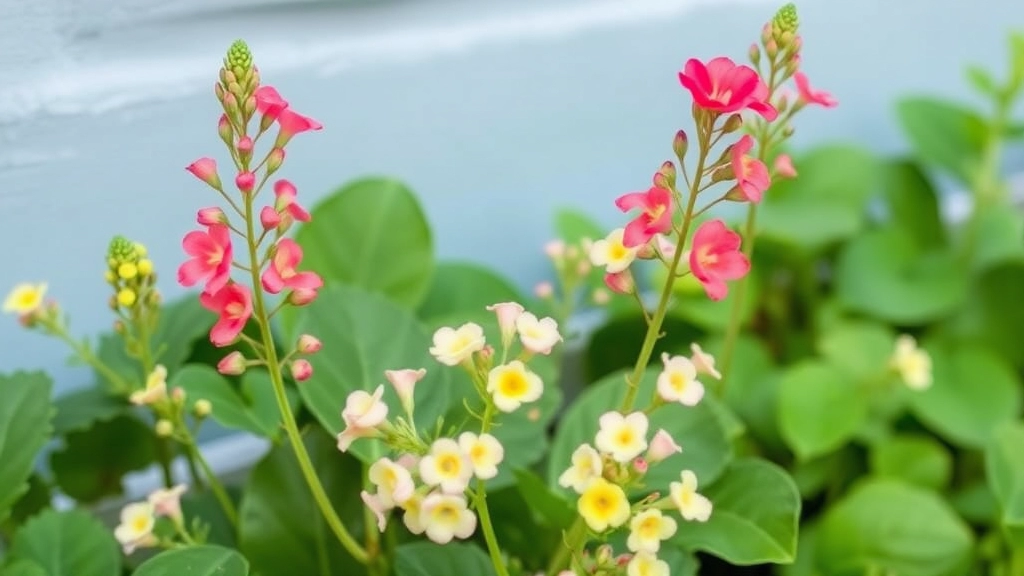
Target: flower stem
{"x": 288, "y": 418}
{"x": 215, "y": 485}
{"x": 574, "y": 540}
{"x": 480, "y": 502}
{"x": 732, "y": 329}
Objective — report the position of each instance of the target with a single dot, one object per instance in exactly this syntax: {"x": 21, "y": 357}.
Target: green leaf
{"x": 1004, "y": 468}
{"x": 973, "y": 393}
{"x": 24, "y": 427}
{"x": 915, "y": 459}
{"x": 944, "y": 133}
{"x": 860, "y": 347}
{"x": 913, "y": 203}
{"x": 826, "y": 203}
{"x": 755, "y": 516}
{"x": 195, "y": 561}
{"x": 363, "y": 335}
{"x": 79, "y": 409}
{"x": 253, "y": 408}
{"x": 459, "y": 287}
{"x": 552, "y": 507}
{"x": 281, "y": 531}
{"x": 820, "y": 408}
{"x": 36, "y": 499}
{"x": 93, "y": 462}
{"x": 371, "y": 233}
{"x": 804, "y": 564}
{"x": 976, "y": 503}
{"x": 989, "y": 317}
{"x": 203, "y": 507}
{"x": 615, "y": 345}
{"x": 182, "y": 322}
{"x": 706, "y": 447}
{"x": 1000, "y": 230}
{"x": 695, "y": 307}
{"x": 883, "y": 273}
{"x": 982, "y": 81}
{"x": 71, "y": 543}
{"x": 429, "y": 559}
{"x": 890, "y": 527}
{"x": 753, "y": 388}
{"x": 22, "y": 568}
{"x": 522, "y": 531}
{"x": 573, "y": 226}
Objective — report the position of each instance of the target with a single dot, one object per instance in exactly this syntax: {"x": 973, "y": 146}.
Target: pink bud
{"x": 623, "y": 559}
{"x": 269, "y": 218}
{"x": 583, "y": 267}
{"x": 245, "y": 145}
{"x": 555, "y": 249}
{"x": 408, "y": 461}
{"x": 544, "y": 290}
{"x": 178, "y": 394}
{"x": 211, "y": 216}
{"x": 224, "y": 129}
{"x": 206, "y": 170}
{"x": 404, "y": 382}
{"x": 784, "y": 166}
{"x": 645, "y": 251}
{"x": 662, "y": 446}
{"x": 245, "y": 181}
{"x": 621, "y": 282}
{"x": 507, "y": 313}
{"x": 486, "y": 353}
{"x": 301, "y": 370}
{"x": 232, "y": 365}
{"x": 302, "y": 297}
{"x": 308, "y": 344}
{"x": 274, "y": 160}
{"x": 666, "y": 246}
{"x": 601, "y": 296}
{"x": 640, "y": 465}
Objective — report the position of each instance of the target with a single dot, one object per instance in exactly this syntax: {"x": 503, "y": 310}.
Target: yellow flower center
{"x": 512, "y": 384}
{"x": 678, "y": 381}
{"x": 617, "y": 252}
{"x": 446, "y": 513}
{"x": 650, "y": 528}
{"x": 140, "y": 524}
{"x": 449, "y": 464}
{"x": 478, "y": 452}
{"x": 625, "y": 437}
{"x": 705, "y": 257}
{"x": 234, "y": 310}
{"x": 601, "y": 501}
{"x": 28, "y": 299}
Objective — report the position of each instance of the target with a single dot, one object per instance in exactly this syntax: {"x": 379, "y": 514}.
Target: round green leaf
{"x": 363, "y": 335}
{"x": 820, "y": 408}
{"x": 372, "y": 233}
{"x": 913, "y": 203}
{"x": 860, "y": 347}
{"x": 196, "y": 561}
{"x": 754, "y": 519}
{"x": 182, "y": 322}
{"x": 884, "y": 274}
{"x": 22, "y": 568}
{"x": 1004, "y": 468}
{"x": 890, "y": 527}
{"x": 281, "y": 530}
{"x": 71, "y": 543}
{"x": 990, "y": 316}
{"x": 77, "y": 410}
{"x": 93, "y": 462}
{"x": 752, "y": 391}
{"x": 429, "y": 559}
{"x": 24, "y": 427}
{"x": 252, "y": 408}
{"x": 944, "y": 133}
{"x": 702, "y": 435}
{"x": 1000, "y": 236}
{"x": 973, "y": 393}
{"x": 915, "y": 459}
{"x": 460, "y": 287}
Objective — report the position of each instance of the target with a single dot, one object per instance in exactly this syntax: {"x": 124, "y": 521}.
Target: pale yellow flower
{"x": 603, "y": 505}
{"x": 24, "y": 299}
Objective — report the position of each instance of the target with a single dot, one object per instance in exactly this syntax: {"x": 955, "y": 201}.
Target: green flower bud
{"x": 239, "y": 58}
{"x": 786, "y": 20}
{"x": 121, "y": 250}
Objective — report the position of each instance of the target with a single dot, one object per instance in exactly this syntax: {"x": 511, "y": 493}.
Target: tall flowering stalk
{"x": 268, "y": 261}
{"x": 734, "y": 108}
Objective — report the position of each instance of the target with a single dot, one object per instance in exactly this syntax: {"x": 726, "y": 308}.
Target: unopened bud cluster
{"x": 130, "y": 273}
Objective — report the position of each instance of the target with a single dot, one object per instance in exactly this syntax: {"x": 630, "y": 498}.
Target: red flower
{"x": 716, "y": 257}
{"x": 722, "y": 86}
{"x": 233, "y": 305}
{"x": 655, "y": 218}
{"x": 211, "y": 258}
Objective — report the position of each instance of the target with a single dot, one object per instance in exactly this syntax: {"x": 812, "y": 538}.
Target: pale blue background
{"x": 494, "y": 112}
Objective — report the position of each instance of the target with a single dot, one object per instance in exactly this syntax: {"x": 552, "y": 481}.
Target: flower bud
{"x": 269, "y": 218}
{"x": 127, "y": 297}
{"x": 604, "y": 554}
{"x": 245, "y": 181}
{"x": 224, "y": 129}
{"x": 640, "y": 465}
{"x": 784, "y": 166}
{"x": 301, "y": 297}
{"x": 662, "y": 446}
{"x": 544, "y": 290}
{"x": 404, "y": 382}
{"x": 771, "y": 48}
{"x": 206, "y": 170}
{"x": 245, "y": 145}
{"x": 555, "y": 249}
{"x": 249, "y": 106}
{"x": 755, "y": 55}
{"x": 202, "y": 408}
{"x": 164, "y": 428}
{"x": 211, "y": 216}
{"x": 620, "y": 282}
{"x": 231, "y": 105}
{"x": 732, "y": 124}
{"x": 301, "y": 370}
{"x": 600, "y": 296}
{"x": 680, "y": 144}
{"x": 274, "y": 160}
{"x": 308, "y": 344}
{"x": 668, "y": 175}
{"x": 232, "y": 365}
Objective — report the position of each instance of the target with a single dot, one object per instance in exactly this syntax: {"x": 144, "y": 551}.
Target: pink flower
{"x": 286, "y": 193}
{"x": 211, "y": 258}
{"x": 655, "y": 218}
{"x": 716, "y": 257}
{"x": 662, "y": 446}
{"x": 269, "y": 102}
{"x": 308, "y": 344}
{"x": 232, "y": 365}
{"x": 269, "y": 218}
{"x": 301, "y": 370}
{"x": 293, "y": 123}
{"x": 751, "y": 174}
{"x": 620, "y": 282}
{"x": 206, "y": 170}
{"x": 211, "y": 216}
{"x": 722, "y": 86}
{"x": 301, "y": 297}
{"x": 404, "y": 382}
{"x": 507, "y": 313}
{"x": 245, "y": 145}
{"x": 281, "y": 273}
{"x": 811, "y": 96}
{"x": 233, "y": 304}
{"x": 374, "y": 503}
{"x": 784, "y": 166}
{"x": 245, "y": 181}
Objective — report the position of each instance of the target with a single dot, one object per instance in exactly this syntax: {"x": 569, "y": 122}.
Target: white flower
{"x": 692, "y": 506}
{"x": 586, "y": 464}
{"x": 678, "y": 381}
{"x": 363, "y": 410}
{"x": 445, "y": 517}
{"x": 156, "y": 388}
{"x": 454, "y": 346}
{"x": 446, "y": 466}
{"x": 376, "y": 505}
{"x": 913, "y": 364}
{"x": 647, "y": 529}
{"x": 512, "y": 384}
{"x": 411, "y": 518}
{"x": 136, "y": 527}
{"x": 662, "y": 446}
{"x": 507, "y": 313}
{"x": 167, "y": 502}
{"x": 624, "y": 437}
{"x": 611, "y": 253}
{"x": 537, "y": 336}
{"x": 484, "y": 451}
{"x": 394, "y": 483}
{"x": 647, "y": 564}
{"x": 704, "y": 362}
{"x": 350, "y": 434}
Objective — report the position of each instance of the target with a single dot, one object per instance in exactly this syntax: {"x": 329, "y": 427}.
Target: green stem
{"x": 575, "y": 539}
{"x": 215, "y": 485}
{"x": 377, "y": 567}
{"x": 480, "y": 502}
{"x": 986, "y": 185}
{"x": 732, "y": 330}
{"x": 288, "y": 418}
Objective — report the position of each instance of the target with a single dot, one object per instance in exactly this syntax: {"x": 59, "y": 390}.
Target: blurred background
{"x": 495, "y": 113}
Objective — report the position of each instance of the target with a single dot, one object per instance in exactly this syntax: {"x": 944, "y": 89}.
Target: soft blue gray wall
{"x": 494, "y": 112}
